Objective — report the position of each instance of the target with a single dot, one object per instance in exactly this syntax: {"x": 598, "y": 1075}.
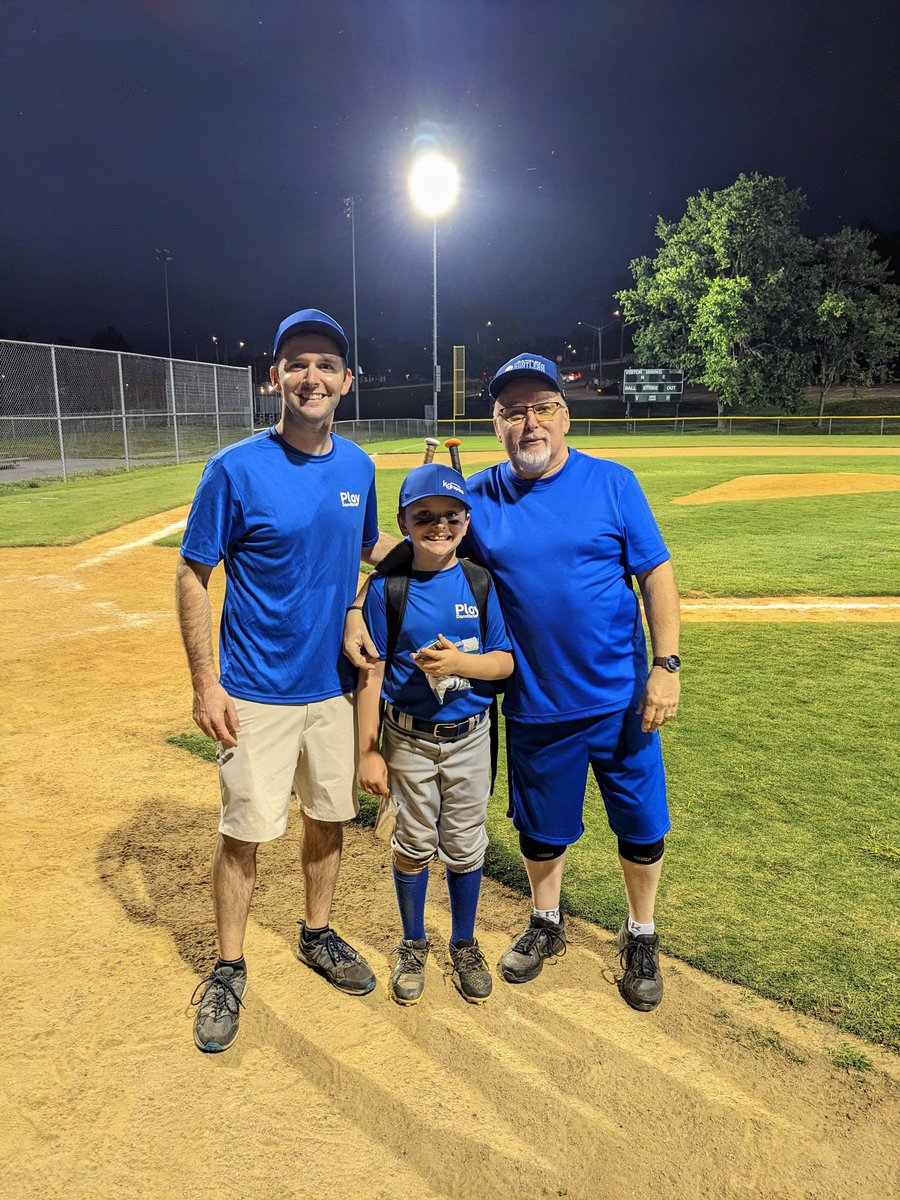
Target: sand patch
{"x": 788, "y": 487}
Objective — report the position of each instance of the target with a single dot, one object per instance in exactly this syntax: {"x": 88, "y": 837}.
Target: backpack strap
{"x": 480, "y": 583}
{"x": 396, "y": 590}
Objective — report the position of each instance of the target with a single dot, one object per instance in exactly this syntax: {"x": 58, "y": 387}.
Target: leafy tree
{"x": 109, "y": 338}
{"x": 855, "y": 324}
{"x": 722, "y": 296}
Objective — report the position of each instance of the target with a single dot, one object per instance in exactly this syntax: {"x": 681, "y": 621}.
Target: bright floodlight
{"x": 433, "y": 184}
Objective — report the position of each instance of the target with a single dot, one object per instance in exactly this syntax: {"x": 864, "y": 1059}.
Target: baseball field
{"x": 770, "y": 1069}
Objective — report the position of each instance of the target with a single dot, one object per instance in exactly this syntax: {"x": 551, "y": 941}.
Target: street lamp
{"x": 216, "y": 344}
{"x": 350, "y": 214}
{"x": 163, "y": 256}
{"x": 433, "y": 187}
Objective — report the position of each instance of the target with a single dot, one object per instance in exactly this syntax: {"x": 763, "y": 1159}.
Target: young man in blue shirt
{"x": 435, "y": 758}
{"x": 289, "y": 512}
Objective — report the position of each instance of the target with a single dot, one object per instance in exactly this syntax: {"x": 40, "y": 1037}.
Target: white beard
{"x": 531, "y": 461}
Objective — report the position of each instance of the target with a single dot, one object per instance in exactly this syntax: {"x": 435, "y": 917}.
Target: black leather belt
{"x": 441, "y": 731}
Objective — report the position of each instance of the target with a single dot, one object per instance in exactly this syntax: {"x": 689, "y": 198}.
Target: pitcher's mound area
{"x": 787, "y": 487}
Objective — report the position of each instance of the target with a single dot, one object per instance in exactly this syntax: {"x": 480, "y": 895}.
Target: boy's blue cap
{"x": 527, "y": 366}
{"x": 311, "y": 320}
{"x": 433, "y": 479}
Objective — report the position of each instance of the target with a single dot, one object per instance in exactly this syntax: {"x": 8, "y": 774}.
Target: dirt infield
{"x": 554, "y": 1089}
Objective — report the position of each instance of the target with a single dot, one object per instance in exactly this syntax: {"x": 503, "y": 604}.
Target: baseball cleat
{"x": 470, "y": 971}
{"x": 408, "y": 976}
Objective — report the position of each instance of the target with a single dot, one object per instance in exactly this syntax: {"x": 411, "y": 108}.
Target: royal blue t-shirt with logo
{"x": 289, "y": 528}
{"x": 437, "y": 602}
{"x": 562, "y": 550}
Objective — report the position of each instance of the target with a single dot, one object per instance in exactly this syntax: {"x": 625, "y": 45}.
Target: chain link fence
{"x": 65, "y": 409}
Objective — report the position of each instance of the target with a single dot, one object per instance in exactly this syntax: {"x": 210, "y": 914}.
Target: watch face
{"x": 673, "y": 663}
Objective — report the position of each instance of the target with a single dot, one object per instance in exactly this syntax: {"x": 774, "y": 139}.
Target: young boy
{"x": 437, "y": 688}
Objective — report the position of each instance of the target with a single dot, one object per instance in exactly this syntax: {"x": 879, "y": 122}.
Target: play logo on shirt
{"x": 349, "y": 499}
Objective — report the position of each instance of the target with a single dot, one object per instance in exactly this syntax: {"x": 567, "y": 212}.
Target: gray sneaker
{"x": 470, "y": 972}
{"x": 524, "y": 960}
{"x": 219, "y": 1015}
{"x": 336, "y": 961}
{"x": 408, "y": 976}
{"x": 641, "y": 985}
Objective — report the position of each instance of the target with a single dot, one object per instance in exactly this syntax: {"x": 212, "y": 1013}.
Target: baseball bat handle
{"x": 453, "y": 446}
{"x": 431, "y": 444}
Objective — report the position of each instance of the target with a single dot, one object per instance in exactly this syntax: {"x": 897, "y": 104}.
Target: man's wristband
{"x": 355, "y": 608}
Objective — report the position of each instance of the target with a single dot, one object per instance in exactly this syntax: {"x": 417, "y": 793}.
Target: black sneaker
{"x": 641, "y": 985}
{"x": 219, "y": 1015}
{"x": 470, "y": 971}
{"x": 408, "y": 976}
{"x": 525, "y": 958}
{"x": 337, "y": 961}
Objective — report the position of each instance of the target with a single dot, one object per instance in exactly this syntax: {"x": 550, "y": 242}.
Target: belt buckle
{"x": 451, "y": 725}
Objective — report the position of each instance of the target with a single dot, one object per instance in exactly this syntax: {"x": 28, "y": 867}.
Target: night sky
{"x": 229, "y": 132}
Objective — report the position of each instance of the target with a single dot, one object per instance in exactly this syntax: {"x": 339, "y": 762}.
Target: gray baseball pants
{"x": 442, "y": 789}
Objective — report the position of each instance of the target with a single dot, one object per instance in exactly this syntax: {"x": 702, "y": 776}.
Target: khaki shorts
{"x": 309, "y": 749}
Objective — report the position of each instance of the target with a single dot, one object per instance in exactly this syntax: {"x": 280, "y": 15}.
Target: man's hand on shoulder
{"x": 215, "y": 714}
{"x": 358, "y": 645}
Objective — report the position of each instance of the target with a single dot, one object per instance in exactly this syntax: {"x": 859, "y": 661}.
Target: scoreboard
{"x": 652, "y": 385}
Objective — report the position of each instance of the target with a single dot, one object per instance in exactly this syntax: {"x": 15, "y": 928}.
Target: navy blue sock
{"x": 411, "y": 890}
{"x": 463, "y": 891}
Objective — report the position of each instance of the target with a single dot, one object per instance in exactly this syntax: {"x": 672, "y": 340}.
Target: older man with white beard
{"x": 563, "y": 535}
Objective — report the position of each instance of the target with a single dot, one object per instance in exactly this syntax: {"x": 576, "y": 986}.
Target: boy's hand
{"x": 373, "y": 773}
{"x": 442, "y": 658}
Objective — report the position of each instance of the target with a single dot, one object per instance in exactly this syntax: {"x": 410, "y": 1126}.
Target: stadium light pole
{"x": 350, "y": 214}
{"x": 433, "y": 184}
{"x": 599, "y": 331}
{"x": 163, "y": 256}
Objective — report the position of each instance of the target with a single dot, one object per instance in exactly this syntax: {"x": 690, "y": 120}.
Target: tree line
{"x": 748, "y": 306}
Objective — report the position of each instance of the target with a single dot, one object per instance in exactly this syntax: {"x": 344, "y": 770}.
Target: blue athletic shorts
{"x": 548, "y": 765}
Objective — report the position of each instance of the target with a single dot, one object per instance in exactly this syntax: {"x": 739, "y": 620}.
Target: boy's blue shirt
{"x": 437, "y": 602}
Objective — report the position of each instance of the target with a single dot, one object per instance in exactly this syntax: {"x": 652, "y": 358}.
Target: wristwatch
{"x": 671, "y": 662}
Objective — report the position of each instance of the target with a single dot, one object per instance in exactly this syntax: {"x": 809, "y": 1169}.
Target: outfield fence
{"x": 66, "y": 408}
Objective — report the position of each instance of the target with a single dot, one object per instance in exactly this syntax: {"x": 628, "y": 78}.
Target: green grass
{"x": 781, "y": 764}
{"x": 52, "y": 513}
{"x": 821, "y": 545}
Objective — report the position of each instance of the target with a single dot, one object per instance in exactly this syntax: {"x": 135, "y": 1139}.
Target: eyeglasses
{"x": 544, "y": 411}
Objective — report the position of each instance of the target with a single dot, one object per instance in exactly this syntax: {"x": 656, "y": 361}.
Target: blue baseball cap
{"x": 527, "y": 366}
{"x": 311, "y": 320}
{"x": 433, "y": 479}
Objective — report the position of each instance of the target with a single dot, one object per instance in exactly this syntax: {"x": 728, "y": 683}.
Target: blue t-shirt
{"x": 437, "y": 602}
{"x": 290, "y": 528}
{"x": 561, "y": 550}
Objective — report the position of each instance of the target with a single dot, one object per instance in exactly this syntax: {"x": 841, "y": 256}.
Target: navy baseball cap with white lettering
{"x": 311, "y": 320}
{"x": 527, "y": 366}
{"x": 433, "y": 479}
